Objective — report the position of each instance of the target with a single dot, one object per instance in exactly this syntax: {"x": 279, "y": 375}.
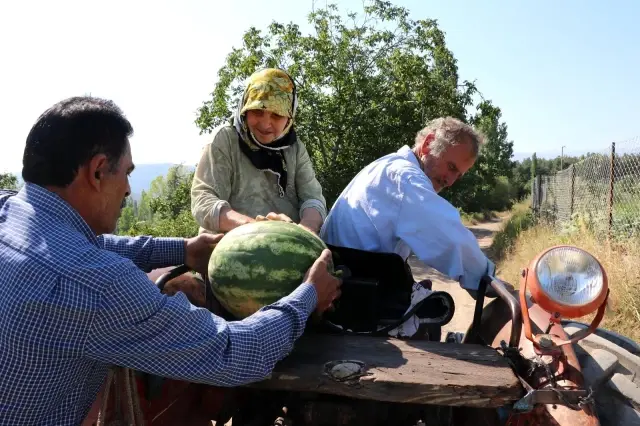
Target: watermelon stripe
{"x": 273, "y": 228}
{"x": 259, "y": 263}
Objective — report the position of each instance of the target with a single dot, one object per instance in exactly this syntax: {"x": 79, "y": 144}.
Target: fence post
{"x": 573, "y": 182}
{"x": 612, "y": 169}
{"x": 538, "y": 194}
{"x": 533, "y": 194}
{"x": 541, "y": 190}
{"x": 541, "y": 194}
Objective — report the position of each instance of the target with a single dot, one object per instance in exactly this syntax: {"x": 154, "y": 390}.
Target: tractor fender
{"x": 613, "y": 370}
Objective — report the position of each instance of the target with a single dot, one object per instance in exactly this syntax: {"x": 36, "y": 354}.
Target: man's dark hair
{"x": 69, "y": 134}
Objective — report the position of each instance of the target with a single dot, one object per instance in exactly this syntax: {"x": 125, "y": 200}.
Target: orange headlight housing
{"x": 567, "y": 282}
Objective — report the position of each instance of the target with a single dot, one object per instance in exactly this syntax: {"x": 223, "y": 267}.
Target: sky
{"x": 563, "y": 73}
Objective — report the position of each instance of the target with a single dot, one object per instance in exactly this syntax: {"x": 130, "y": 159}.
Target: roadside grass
{"x": 520, "y": 220}
{"x": 477, "y": 217}
{"x": 523, "y": 240}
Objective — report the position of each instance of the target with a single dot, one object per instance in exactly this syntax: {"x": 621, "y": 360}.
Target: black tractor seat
{"x": 376, "y": 294}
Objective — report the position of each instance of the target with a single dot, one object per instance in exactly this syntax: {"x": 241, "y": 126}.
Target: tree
{"x": 8, "y": 181}
{"x": 534, "y": 166}
{"x": 127, "y": 218}
{"x": 144, "y": 207}
{"x": 497, "y": 151}
{"x": 365, "y": 87}
{"x": 164, "y": 210}
{"x": 521, "y": 178}
{"x": 172, "y": 195}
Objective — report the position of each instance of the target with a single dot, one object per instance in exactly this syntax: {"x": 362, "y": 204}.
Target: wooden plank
{"x": 395, "y": 370}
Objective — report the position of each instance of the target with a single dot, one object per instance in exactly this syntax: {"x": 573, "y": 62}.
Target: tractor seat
{"x": 376, "y": 291}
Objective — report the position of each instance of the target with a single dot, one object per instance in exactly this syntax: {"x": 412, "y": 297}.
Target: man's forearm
{"x": 448, "y": 247}
{"x": 147, "y": 253}
{"x": 167, "y": 336}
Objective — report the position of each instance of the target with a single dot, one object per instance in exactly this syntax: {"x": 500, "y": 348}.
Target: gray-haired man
{"x": 393, "y": 206}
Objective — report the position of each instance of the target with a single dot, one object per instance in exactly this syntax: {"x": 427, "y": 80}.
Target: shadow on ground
{"x": 480, "y": 233}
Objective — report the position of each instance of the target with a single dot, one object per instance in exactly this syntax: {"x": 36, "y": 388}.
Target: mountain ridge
{"x": 142, "y": 176}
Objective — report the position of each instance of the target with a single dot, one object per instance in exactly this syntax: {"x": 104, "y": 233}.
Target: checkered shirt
{"x": 73, "y": 303}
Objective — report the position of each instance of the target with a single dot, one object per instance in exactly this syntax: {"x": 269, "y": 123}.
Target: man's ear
{"x": 426, "y": 144}
{"x": 96, "y": 170}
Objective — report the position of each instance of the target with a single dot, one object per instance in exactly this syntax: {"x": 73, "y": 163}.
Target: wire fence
{"x": 600, "y": 193}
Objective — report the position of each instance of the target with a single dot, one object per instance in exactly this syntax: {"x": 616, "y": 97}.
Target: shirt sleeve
{"x": 432, "y": 228}
{"x": 211, "y": 186}
{"x": 147, "y": 253}
{"x": 308, "y": 187}
{"x": 140, "y": 328}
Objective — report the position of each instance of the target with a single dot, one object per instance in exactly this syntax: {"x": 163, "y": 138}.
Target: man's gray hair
{"x": 449, "y": 131}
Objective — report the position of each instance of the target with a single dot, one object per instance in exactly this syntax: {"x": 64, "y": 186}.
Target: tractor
{"x": 523, "y": 359}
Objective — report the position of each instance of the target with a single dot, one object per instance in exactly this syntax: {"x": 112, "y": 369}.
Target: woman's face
{"x": 265, "y": 125}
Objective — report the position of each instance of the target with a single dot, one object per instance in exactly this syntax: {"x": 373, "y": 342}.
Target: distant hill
{"x": 141, "y": 178}
{"x": 144, "y": 174}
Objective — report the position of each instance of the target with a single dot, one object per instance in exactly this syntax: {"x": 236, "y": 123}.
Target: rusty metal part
{"x": 564, "y": 367}
{"x": 477, "y": 327}
{"x": 473, "y": 333}
{"x": 573, "y": 399}
{"x": 514, "y": 308}
{"x": 345, "y": 370}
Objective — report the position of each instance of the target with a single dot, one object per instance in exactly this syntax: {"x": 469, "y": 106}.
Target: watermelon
{"x": 258, "y": 263}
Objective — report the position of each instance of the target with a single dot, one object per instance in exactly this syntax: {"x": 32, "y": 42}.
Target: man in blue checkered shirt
{"x": 75, "y": 299}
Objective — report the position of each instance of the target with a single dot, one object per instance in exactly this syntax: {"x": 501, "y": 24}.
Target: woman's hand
{"x": 310, "y": 223}
{"x": 311, "y": 220}
{"x": 274, "y": 216}
{"x": 231, "y": 219}
{"x": 308, "y": 228}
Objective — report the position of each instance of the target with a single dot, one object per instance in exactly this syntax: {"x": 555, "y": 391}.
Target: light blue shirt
{"x": 391, "y": 207}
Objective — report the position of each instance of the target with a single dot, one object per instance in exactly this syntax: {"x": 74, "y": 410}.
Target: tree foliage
{"x": 366, "y": 84}
{"x": 163, "y": 211}
{"x": 8, "y": 181}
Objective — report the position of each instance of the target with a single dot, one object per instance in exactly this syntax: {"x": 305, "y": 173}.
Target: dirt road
{"x": 484, "y": 232}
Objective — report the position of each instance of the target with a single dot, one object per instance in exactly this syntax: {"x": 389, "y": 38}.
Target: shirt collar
{"x": 407, "y": 154}
{"x": 42, "y": 199}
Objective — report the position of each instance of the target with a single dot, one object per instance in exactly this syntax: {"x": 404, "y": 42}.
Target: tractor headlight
{"x": 570, "y": 276}
{"x": 568, "y": 281}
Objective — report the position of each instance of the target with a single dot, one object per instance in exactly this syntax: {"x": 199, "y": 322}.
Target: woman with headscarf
{"x": 255, "y": 167}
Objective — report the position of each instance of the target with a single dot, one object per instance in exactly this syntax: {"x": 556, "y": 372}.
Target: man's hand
{"x": 491, "y": 271}
{"x": 198, "y": 251}
{"x": 274, "y": 216}
{"x": 327, "y": 286}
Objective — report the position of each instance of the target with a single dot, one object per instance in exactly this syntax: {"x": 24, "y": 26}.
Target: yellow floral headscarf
{"x": 270, "y": 89}
{"x": 273, "y": 90}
